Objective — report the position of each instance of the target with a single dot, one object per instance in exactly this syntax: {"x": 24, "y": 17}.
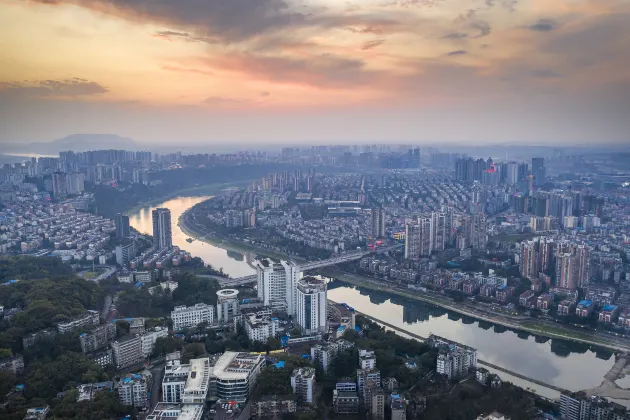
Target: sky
{"x": 317, "y": 71}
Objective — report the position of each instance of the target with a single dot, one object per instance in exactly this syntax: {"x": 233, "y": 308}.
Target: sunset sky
{"x": 285, "y": 71}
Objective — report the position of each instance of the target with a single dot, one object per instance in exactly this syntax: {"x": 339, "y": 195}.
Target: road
{"x": 157, "y": 373}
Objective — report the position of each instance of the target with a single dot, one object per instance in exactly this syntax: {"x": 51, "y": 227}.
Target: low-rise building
{"x": 367, "y": 359}
{"x": 37, "y": 413}
{"x": 584, "y": 308}
{"x": 609, "y": 313}
{"x": 235, "y": 375}
{"x": 454, "y": 359}
{"x": 303, "y": 383}
{"x": 186, "y": 317}
{"x": 325, "y": 354}
{"x": 87, "y": 319}
{"x": 566, "y": 307}
{"x": 167, "y": 411}
{"x": 261, "y": 327}
{"x": 273, "y": 406}
{"x": 398, "y": 407}
{"x": 345, "y": 402}
{"x": 98, "y": 338}
{"x": 367, "y": 375}
{"x": 88, "y": 391}
{"x": 544, "y": 301}
{"x": 504, "y": 293}
{"x": 346, "y": 385}
{"x": 14, "y": 364}
{"x": 149, "y": 338}
{"x": 527, "y": 298}
{"x": 127, "y": 351}
{"x": 133, "y": 390}
{"x": 103, "y": 358}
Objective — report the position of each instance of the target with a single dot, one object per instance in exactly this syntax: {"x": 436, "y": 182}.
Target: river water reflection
{"x": 566, "y": 365}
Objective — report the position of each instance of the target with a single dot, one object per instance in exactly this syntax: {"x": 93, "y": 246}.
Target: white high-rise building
{"x": 261, "y": 327}
{"x": 277, "y": 284}
{"x": 148, "y": 340}
{"x": 438, "y": 231}
{"x": 311, "y": 311}
{"x": 162, "y": 235}
{"x": 133, "y": 390}
{"x": 302, "y": 383}
{"x": 186, "y": 317}
{"x": 418, "y": 238}
{"x": 227, "y": 305}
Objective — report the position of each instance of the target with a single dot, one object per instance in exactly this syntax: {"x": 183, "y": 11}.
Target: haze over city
{"x": 317, "y": 71}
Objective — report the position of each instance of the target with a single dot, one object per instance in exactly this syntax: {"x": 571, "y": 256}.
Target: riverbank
{"x": 228, "y": 244}
{"x": 530, "y": 327}
{"x": 196, "y": 191}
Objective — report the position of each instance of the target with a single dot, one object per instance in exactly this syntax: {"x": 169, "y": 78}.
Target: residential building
{"x": 609, "y": 313}
{"x": 122, "y": 226}
{"x": 37, "y": 413}
{"x": 311, "y": 305}
{"x": 273, "y": 406}
{"x": 454, "y": 359}
{"x": 87, "y": 319}
{"x": 162, "y": 235}
{"x": 367, "y": 359}
{"x": 346, "y": 385}
{"x": 579, "y": 406}
{"x": 277, "y": 284}
{"x": 493, "y": 416}
{"x": 584, "y": 308}
{"x": 365, "y": 375}
{"x": 174, "y": 381}
{"x": 103, "y": 358}
{"x": 148, "y": 340}
{"x": 191, "y": 316}
{"x": 59, "y": 185}
{"x": 235, "y": 375}
{"x": 377, "y": 404}
{"x": 127, "y": 351}
{"x": 378, "y": 223}
{"x": 125, "y": 253}
{"x": 325, "y": 354}
{"x": 98, "y": 338}
{"x": 527, "y": 299}
{"x": 345, "y": 402}
{"x": 572, "y": 265}
{"x": 133, "y": 390}
{"x": 302, "y": 383}
{"x": 227, "y": 305}
{"x": 479, "y": 232}
{"x": 14, "y": 364}
{"x": 261, "y": 327}
{"x": 418, "y": 238}
{"x": 398, "y": 407}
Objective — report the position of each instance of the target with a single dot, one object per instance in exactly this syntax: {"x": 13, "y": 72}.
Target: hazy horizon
{"x": 317, "y": 71}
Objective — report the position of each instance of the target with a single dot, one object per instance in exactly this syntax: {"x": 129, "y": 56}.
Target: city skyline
{"x": 282, "y": 72}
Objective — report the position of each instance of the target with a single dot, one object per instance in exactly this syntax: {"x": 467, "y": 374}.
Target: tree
{"x": 165, "y": 345}
{"x": 193, "y": 351}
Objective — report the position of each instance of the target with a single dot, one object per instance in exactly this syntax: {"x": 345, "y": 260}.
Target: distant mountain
{"x": 74, "y": 142}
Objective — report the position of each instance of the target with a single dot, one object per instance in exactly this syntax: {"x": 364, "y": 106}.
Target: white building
{"x": 167, "y": 411}
{"x": 302, "y": 383}
{"x": 367, "y": 375}
{"x": 367, "y": 359}
{"x": 311, "y": 308}
{"x": 125, "y": 253}
{"x": 148, "y": 340}
{"x": 127, "y": 352}
{"x": 227, "y": 305}
{"x": 325, "y": 354}
{"x": 186, "y": 317}
{"x": 174, "y": 381}
{"x": 89, "y": 318}
{"x": 198, "y": 382}
{"x": 454, "y": 359}
{"x": 235, "y": 375}
{"x": 277, "y": 284}
{"x": 260, "y": 327}
{"x": 133, "y": 390}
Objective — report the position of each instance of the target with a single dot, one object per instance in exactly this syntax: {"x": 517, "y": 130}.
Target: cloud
{"x": 369, "y": 45}
{"x": 483, "y": 27}
{"x": 74, "y": 87}
{"x": 543, "y": 25}
{"x": 171, "y": 35}
{"x": 455, "y": 53}
{"x": 264, "y": 94}
{"x": 187, "y": 70}
{"x": 546, "y": 74}
{"x": 509, "y": 5}
{"x": 456, "y": 35}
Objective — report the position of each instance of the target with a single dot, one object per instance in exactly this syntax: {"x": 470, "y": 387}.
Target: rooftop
{"x": 233, "y": 365}
{"x": 198, "y": 376}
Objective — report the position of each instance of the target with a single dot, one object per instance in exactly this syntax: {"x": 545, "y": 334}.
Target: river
{"x": 567, "y": 365}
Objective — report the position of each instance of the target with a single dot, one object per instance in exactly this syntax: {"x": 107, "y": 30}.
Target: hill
{"x": 74, "y": 142}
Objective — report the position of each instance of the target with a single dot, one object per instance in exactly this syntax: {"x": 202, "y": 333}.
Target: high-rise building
{"x": 378, "y": 223}
{"x": 174, "y": 381}
{"x": 572, "y": 265}
{"x": 149, "y": 338}
{"x": 122, "y": 225}
{"x": 75, "y": 183}
{"x": 511, "y": 177}
{"x": 479, "y": 231}
{"x": 311, "y": 305}
{"x": 191, "y": 316}
{"x": 438, "y": 231}
{"x": 579, "y": 406}
{"x": 536, "y": 256}
{"x": 418, "y": 238}
{"x": 162, "y": 236}
{"x": 539, "y": 171}
{"x": 454, "y": 359}
{"x": 234, "y": 374}
{"x": 59, "y": 185}
{"x": 277, "y": 283}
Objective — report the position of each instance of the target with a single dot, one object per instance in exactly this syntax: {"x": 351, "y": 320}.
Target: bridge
{"x": 313, "y": 265}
